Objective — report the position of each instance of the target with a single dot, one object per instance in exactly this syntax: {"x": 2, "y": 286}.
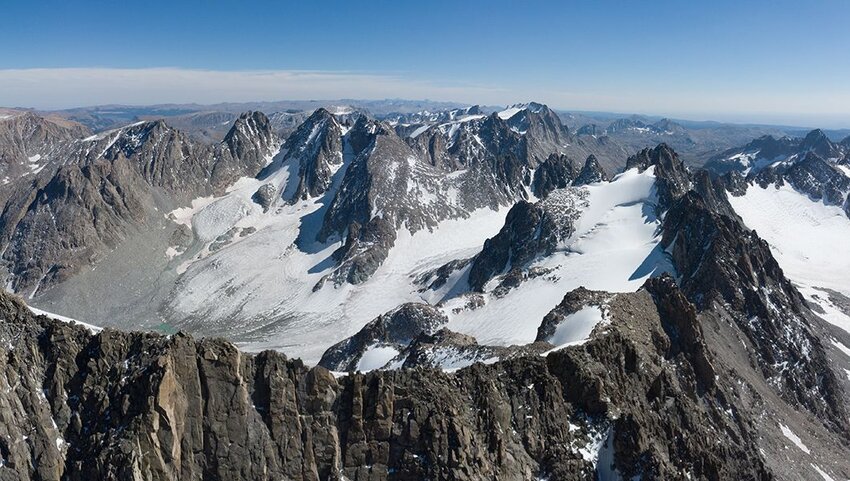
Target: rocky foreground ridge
{"x": 660, "y": 391}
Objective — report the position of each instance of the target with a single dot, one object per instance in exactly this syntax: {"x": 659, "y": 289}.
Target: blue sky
{"x": 777, "y": 61}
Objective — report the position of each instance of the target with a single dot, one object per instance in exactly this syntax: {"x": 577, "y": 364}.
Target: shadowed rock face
{"x": 591, "y": 173}
{"x": 725, "y": 266}
{"x": 673, "y": 178}
{"x": 556, "y": 172}
{"x": 316, "y": 147}
{"x": 141, "y": 406}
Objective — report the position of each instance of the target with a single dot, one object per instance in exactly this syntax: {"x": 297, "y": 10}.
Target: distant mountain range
{"x": 696, "y": 141}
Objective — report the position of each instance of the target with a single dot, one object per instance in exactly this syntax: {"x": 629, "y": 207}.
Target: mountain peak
{"x": 514, "y": 109}
{"x": 818, "y": 142}
{"x": 591, "y": 173}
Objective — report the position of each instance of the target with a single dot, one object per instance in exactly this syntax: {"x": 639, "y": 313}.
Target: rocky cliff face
{"x": 530, "y": 231}
{"x": 316, "y": 148}
{"x": 674, "y": 179}
{"x": 556, "y": 172}
{"x": 726, "y": 267}
{"x": 110, "y": 185}
{"x": 591, "y": 172}
{"x": 30, "y": 144}
{"x": 644, "y": 399}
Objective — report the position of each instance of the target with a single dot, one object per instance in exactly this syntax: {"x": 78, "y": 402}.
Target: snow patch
{"x": 831, "y": 313}
{"x": 38, "y": 312}
{"x": 786, "y": 431}
{"x": 822, "y": 473}
{"x": 575, "y": 329}
{"x": 183, "y": 215}
{"x": 376, "y": 357}
{"x": 841, "y": 347}
{"x": 510, "y": 112}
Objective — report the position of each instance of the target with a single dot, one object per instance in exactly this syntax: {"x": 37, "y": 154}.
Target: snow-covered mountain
{"x": 814, "y": 166}
{"x": 768, "y": 151}
{"x": 796, "y": 194}
{"x": 537, "y": 272}
{"x": 696, "y": 142}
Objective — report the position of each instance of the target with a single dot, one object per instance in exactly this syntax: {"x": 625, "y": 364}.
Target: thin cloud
{"x": 57, "y": 88}
{"x": 74, "y": 87}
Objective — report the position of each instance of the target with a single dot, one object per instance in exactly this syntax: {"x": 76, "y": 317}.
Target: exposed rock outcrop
{"x": 591, "y": 173}
{"x": 396, "y": 329}
{"x": 556, "y": 172}
{"x": 530, "y": 230}
{"x": 673, "y": 178}
{"x": 726, "y": 267}
{"x": 114, "y": 184}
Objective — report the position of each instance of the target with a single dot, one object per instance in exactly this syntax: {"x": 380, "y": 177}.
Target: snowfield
{"x": 808, "y": 239}
{"x": 615, "y": 248}
{"x": 786, "y": 431}
{"x": 576, "y": 328}
{"x": 262, "y": 284}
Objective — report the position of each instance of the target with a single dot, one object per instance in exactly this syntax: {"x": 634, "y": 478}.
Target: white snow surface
{"x": 509, "y": 112}
{"x": 807, "y": 237}
{"x": 576, "y": 328}
{"x": 90, "y": 327}
{"x": 615, "y": 248}
{"x": 831, "y": 313}
{"x": 263, "y": 283}
{"x": 786, "y": 431}
{"x": 376, "y": 357}
{"x": 822, "y": 473}
{"x": 842, "y": 347}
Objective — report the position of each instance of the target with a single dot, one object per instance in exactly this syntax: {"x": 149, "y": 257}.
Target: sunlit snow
{"x": 615, "y": 248}
{"x": 576, "y": 327}
{"x": 806, "y": 237}
{"x": 376, "y": 357}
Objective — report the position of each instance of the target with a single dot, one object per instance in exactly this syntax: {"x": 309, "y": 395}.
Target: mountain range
{"x": 471, "y": 292}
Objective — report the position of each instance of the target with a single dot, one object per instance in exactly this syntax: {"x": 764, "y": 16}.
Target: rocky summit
{"x": 368, "y": 291}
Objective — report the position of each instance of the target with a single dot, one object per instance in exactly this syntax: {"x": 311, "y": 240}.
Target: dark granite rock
{"x": 591, "y": 173}
{"x": 556, "y": 172}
